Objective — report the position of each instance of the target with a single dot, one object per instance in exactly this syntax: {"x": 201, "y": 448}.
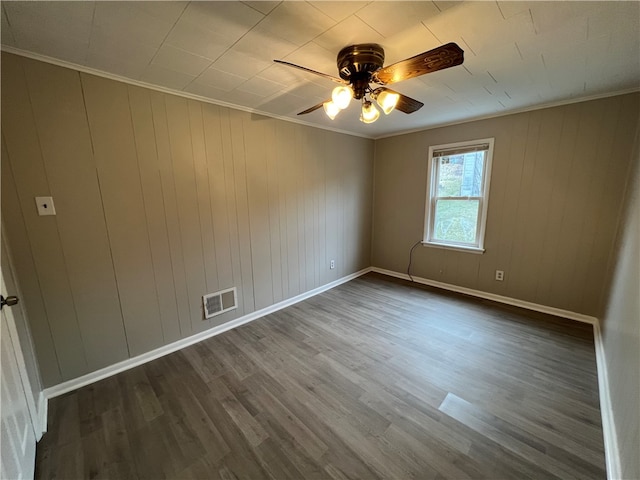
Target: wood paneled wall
{"x": 621, "y": 330}
{"x": 557, "y": 186}
{"x": 160, "y": 200}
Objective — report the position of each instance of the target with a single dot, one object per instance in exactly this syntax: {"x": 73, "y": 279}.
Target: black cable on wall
{"x": 411, "y": 258}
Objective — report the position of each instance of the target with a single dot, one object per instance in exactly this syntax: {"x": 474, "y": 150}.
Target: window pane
{"x": 456, "y": 221}
{"x": 460, "y": 175}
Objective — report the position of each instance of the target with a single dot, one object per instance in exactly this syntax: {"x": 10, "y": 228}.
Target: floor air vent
{"x": 219, "y": 302}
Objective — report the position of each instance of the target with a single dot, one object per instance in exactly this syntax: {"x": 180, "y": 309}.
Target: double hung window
{"x": 458, "y": 194}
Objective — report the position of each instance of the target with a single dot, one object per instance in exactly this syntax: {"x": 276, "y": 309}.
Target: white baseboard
{"x": 612, "y": 454}
{"x": 492, "y": 296}
{"x": 129, "y": 363}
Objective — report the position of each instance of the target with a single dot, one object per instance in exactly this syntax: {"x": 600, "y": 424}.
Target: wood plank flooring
{"x": 376, "y": 378}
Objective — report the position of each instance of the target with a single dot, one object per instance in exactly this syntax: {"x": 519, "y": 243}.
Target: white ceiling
{"x": 518, "y": 55}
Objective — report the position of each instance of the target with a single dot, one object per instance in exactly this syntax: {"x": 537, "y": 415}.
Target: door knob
{"x": 9, "y": 301}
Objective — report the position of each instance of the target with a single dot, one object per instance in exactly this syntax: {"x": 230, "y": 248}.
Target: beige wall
{"x": 621, "y": 332}
{"x": 160, "y": 200}
{"x": 556, "y": 192}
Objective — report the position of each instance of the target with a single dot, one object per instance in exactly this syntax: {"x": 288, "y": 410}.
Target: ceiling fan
{"x": 362, "y": 75}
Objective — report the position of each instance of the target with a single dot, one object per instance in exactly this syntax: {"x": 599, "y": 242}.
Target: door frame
{"x": 9, "y": 286}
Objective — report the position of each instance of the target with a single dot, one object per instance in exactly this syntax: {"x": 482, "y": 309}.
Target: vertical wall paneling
{"x": 333, "y": 204}
{"x": 151, "y": 184}
{"x": 25, "y": 158}
{"x": 218, "y": 192}
{"x": 341, "y": 168}
{"x": 16, "y": 234}
{"x": 348, "y": 182}
{"x": 204, "y": 195}
{"x": 515, "y": 166}
{"x": 242, "y": 207}
{"x": 542, "y": 176}
{"x": 184, "y": 177}
{"x": 620, "y": 326}
{"x": 595, "y": 172}
{"x": 161, "y": 200}
{"x": 564, "y": 166}
{"x": 299, "y": 169}
{"x": 232, "y": 211}
{"x": 288, "y": 163}
{"x": 316, "y": 182}
{"x": 258, "y": 205}
{"x": 281, "y": 174}
{"x": 526, "y": 203}
{"x": 598, "y": 182}
{"x": 273, "y": 182}
{"x": 323, "y": 271}
{"x": 201, "y": 174}
{"x": 359, "y": 255}
{"x": 365, "y": 222}
{"x": 568, "y": 259}
{"x": 308, "y": 189}
{"x": 109, "y": 117}
{"x": 170, "y": 203}
{"x": 556, "y": 191}
{"x": 406, "y": 177}
{"x": 497, "y": 195}
{"x": 58, "y": 106}
{"x": 612, "y": 186}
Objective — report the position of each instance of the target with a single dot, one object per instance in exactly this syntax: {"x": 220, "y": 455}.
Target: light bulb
{"x": 369, "y": 113}
{"x": 387, "y": 101}
{"x": 341, "y": 96}
{"x": 331, "y": 109}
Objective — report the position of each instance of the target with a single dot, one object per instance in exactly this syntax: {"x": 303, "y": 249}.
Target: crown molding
{"x": 221, "y": 103}
{"x": 530, "y": 108}
{"x": 180, "y": 93}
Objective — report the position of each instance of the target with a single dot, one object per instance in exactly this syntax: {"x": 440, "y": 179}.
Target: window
{"x": 457, "y": 194}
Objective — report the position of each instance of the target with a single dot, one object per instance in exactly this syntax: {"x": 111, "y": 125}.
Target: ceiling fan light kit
{"x": 331, "y": 109}
{"x": 386, "y": 100}
{"x": 360, "y": 66}
{"x": 341, "y": 96}
{"x": 369, "y": 112}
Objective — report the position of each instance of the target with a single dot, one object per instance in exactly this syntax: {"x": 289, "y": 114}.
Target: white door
{"x": 18, "y": 442}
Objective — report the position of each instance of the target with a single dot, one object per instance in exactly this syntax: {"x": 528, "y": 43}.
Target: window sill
{"x": 459, "y": 248}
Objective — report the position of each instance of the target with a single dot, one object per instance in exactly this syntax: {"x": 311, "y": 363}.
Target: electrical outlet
{"x": 499, "y": 275}
{"x": 332, "y": 264}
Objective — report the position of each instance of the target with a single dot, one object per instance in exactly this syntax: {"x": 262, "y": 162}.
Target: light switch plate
{"x": 45, "y": 206}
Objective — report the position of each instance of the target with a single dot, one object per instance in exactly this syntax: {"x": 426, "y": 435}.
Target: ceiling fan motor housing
{"x": 356, "y": 63}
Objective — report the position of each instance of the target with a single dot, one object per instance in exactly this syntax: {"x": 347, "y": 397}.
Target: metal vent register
{"x": 219, "y": 302}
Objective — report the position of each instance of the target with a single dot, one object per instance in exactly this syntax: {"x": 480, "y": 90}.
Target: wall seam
{"x": 145, "y": 210}
{"x": 104, "y": 214}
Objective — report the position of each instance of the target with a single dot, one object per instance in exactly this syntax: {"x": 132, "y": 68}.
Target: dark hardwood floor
{"x": 376, "y": 378}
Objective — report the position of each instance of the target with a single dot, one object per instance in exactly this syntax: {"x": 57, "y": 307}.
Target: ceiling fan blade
{"x": 314, "y": 108}
{"x": 445, "y": 56}
{"x": 405, "y": 104}
{"x": 308, "y": 70}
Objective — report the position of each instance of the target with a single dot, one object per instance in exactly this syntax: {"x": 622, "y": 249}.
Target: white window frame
{"x": 432, "y": 190}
